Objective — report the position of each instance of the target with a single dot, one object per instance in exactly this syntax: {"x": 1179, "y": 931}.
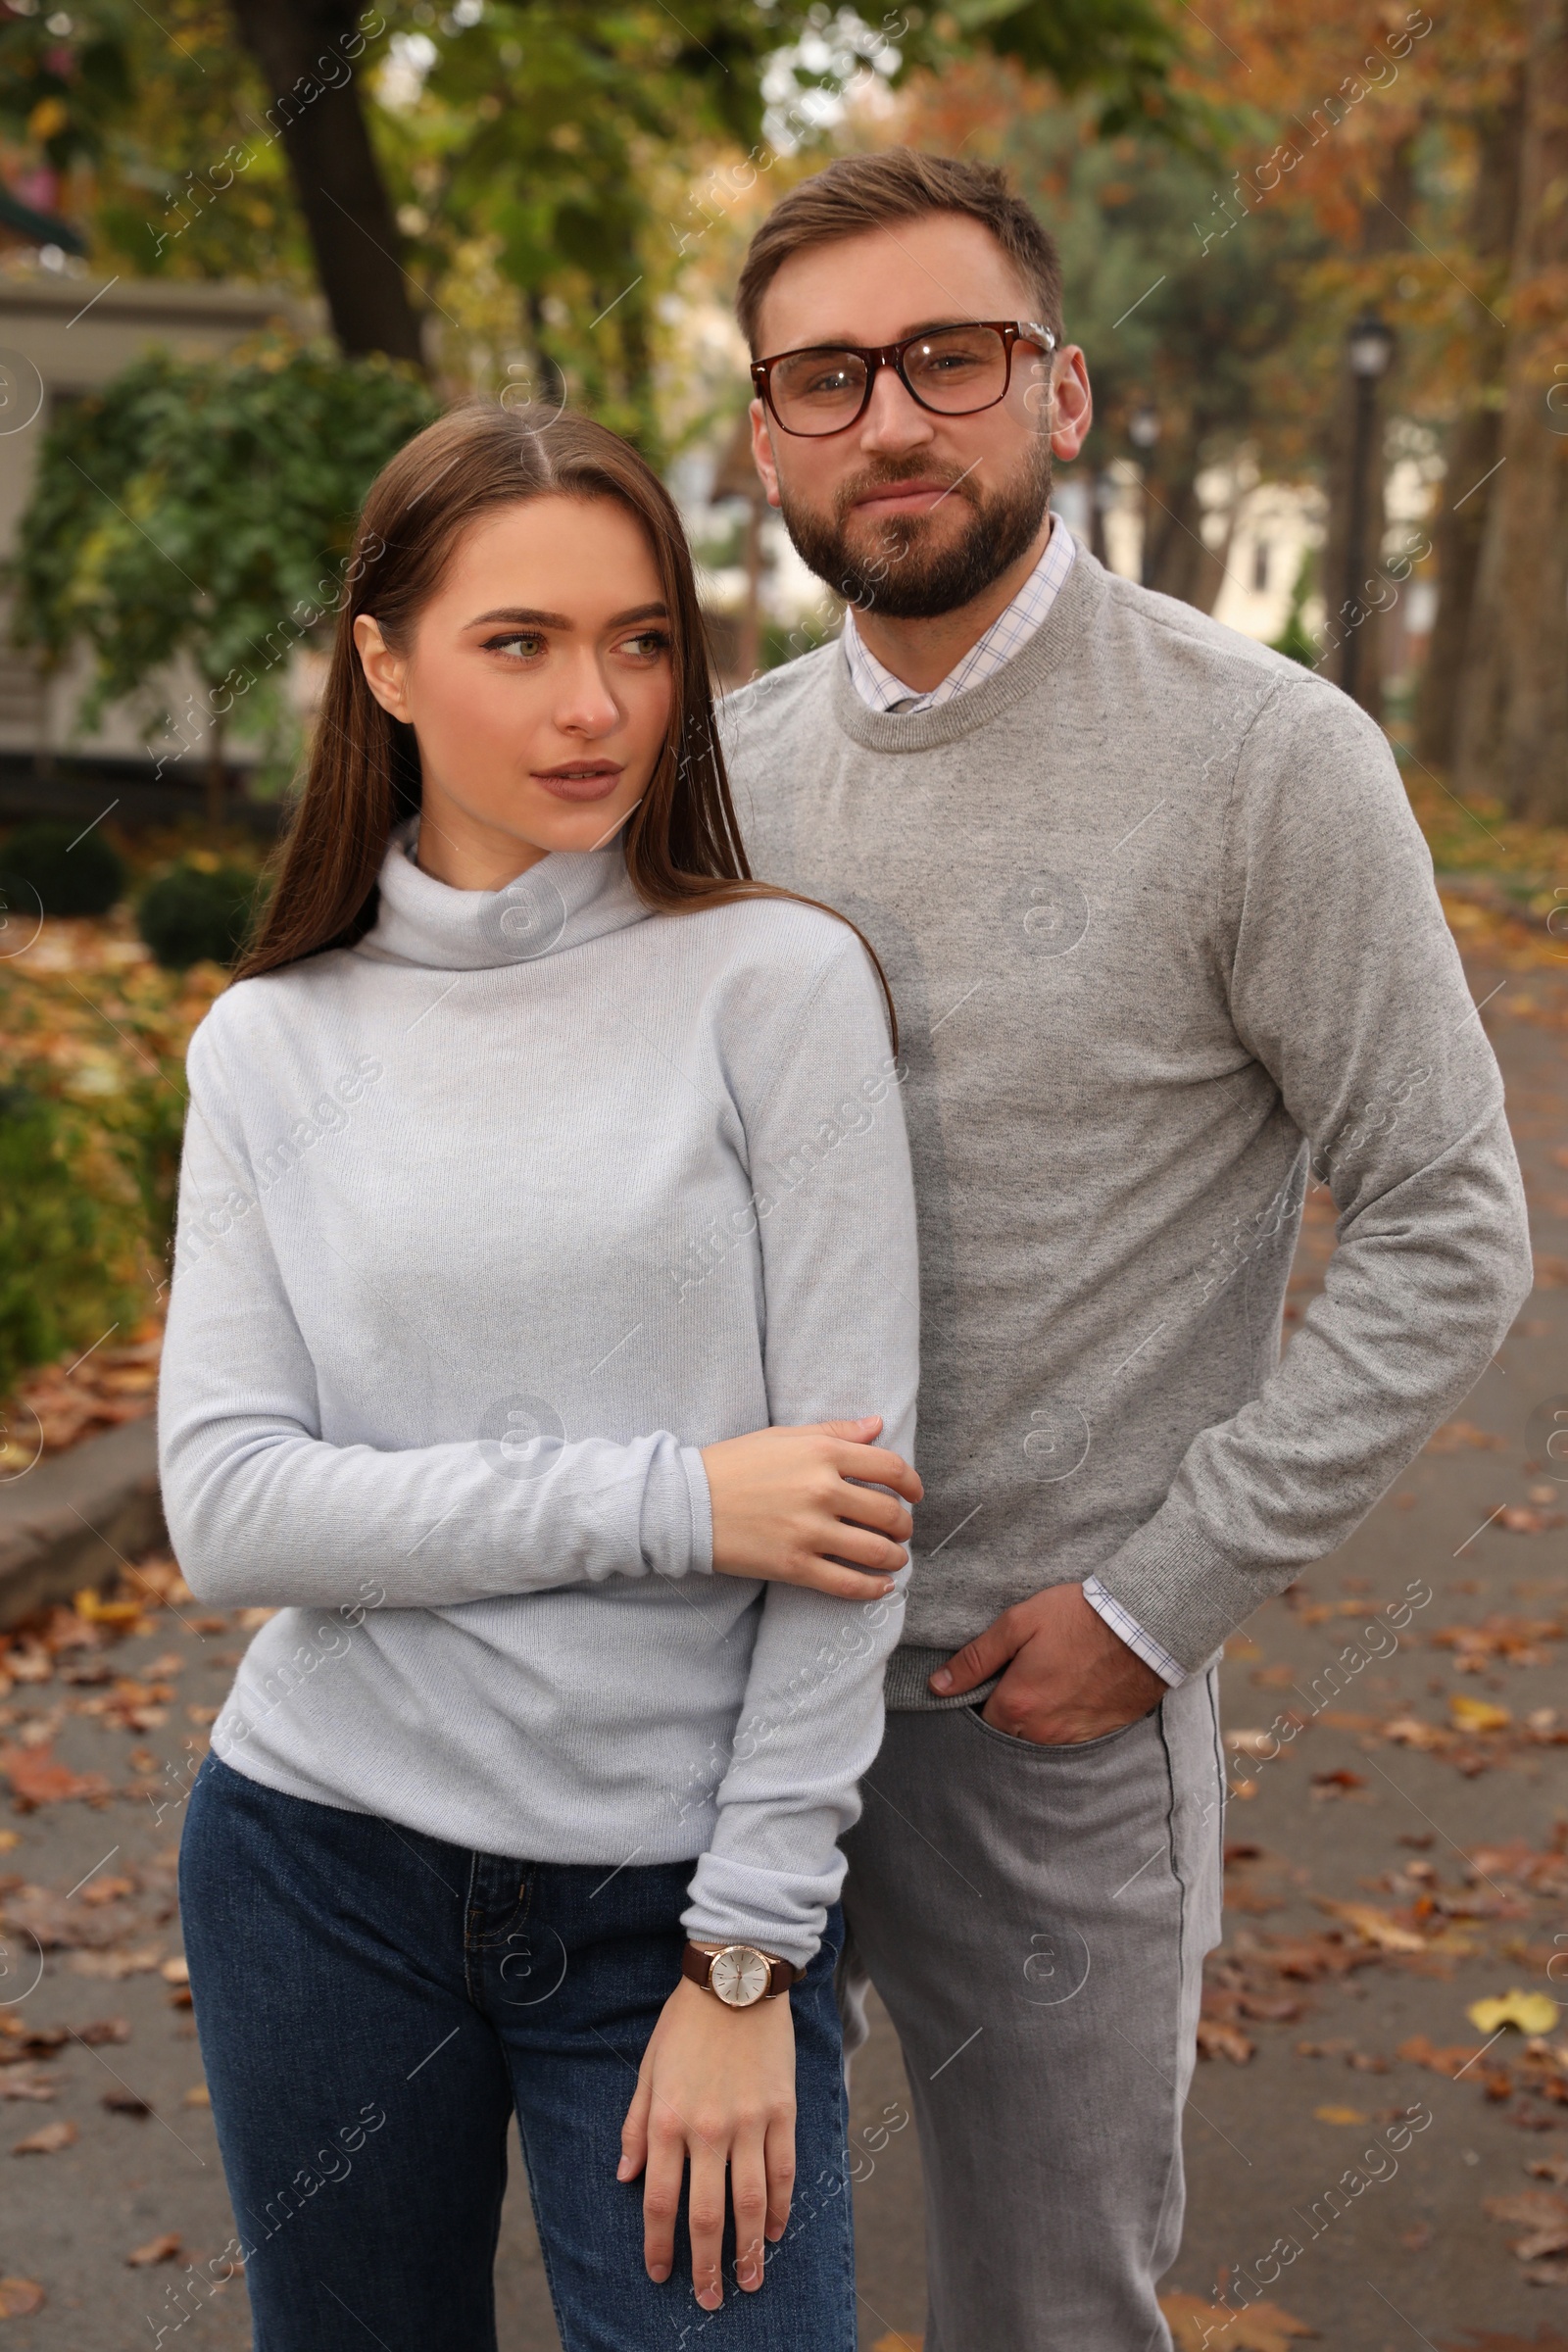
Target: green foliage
{"x": 197, "y": 913}
{"x": 67, "y": 1232}
{"x": 68, "y": 871}
{"x": 1196, "y": 327}
{"x": 161, "y": 119}
{"x": 144, "y": 1126}
{"x": 1292, "y": 640}
{"x": 780, "y": 643}
{"x": 198, "y": 508}
{"x": 1122, "y": 49}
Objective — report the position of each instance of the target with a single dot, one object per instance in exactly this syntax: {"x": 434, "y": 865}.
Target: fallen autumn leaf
{"x": 47, "y": 2142}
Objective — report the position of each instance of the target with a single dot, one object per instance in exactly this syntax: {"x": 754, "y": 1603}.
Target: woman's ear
{"x": 385, "y": 672}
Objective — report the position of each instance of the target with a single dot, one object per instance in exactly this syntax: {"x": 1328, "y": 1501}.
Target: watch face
{"x": 739, "y": 1976}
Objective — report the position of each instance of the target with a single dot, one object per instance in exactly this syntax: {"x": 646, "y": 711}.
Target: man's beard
{"x": 903, "y": 575}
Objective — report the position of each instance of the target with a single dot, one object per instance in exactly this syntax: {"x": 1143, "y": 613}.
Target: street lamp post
{"x": 1142, "y": 430}
{"x": 1369, "y": 347}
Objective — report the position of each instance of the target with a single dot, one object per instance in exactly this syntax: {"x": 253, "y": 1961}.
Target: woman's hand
{"x": 716, "y": 2086}
{"x": 785, "y": 1509}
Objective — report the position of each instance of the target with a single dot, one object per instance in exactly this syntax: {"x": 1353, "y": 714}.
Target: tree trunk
{"x": 1098, "y": 483}
{"x": 1475, "y": 446}
{"x": 305, "y": 50}
{"x": 1351, "y": 625}
{"x": 1174, "y": 554}
{"x": 1178, "y": 560}
{"x": 1514, "y": 731}
{"x": 216, "y": 779}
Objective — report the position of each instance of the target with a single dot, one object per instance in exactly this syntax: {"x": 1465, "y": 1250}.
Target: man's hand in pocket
{"x": 1070, "y": 1677}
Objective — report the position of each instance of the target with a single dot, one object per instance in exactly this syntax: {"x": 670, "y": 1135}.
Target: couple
{"x": 556, "y": 1381}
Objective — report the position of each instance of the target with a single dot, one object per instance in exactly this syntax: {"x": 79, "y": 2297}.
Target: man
{"x": 1163, "y": 933}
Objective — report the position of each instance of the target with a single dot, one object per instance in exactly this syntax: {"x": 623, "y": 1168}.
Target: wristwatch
{"x": 737, "y": 1973}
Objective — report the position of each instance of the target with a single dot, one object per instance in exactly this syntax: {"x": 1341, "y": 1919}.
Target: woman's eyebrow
{"x": 525, "y": 617}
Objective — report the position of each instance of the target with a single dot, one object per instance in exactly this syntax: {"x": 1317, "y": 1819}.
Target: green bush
{"x": 196, "y": 912}
{"x": 62, "y": 1239}
{"x": 1292, "y": 640}
{"x": 71, "y": 872}
{"x": 143, "y": 1128}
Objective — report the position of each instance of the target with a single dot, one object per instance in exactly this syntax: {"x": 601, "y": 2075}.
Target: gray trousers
{"x": 1035, "y": 1920}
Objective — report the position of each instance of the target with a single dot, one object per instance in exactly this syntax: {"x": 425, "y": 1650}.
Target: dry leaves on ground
{"x": 166, "y": 2249}
{"x": 125, "y": 2101}
{"x": 57, "y": 1921}
{"x": 1260, "y": 2327}
{"x": 1530, "y": 2012}
{"x": 37, "y": 1779}
{"x": 113, "y": 1966}
{"x": 1376, "y": 1927}
{"x": 1455, "y": 1436}
{"x": 20, "y": 2298}
{"x": 75, "y": 1397}
{"x": 16, "y": 2083}
{"x": 47, "y": 2142}
{"x": 1498, "y": 1637}
{"x": 1543, "y": 2217}
{"x": 1217, "y": 2039}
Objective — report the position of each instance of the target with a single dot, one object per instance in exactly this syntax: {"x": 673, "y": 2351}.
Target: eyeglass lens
{"x": 960, "y": 370}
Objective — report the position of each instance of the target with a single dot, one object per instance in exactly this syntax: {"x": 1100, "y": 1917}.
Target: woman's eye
{"x": 648, "y": 643}
{"x": 518, "y": 642}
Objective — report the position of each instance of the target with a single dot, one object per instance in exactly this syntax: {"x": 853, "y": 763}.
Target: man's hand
{"x": 1071, "y": 1678}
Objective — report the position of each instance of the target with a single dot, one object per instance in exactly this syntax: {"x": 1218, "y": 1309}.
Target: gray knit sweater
{"x": 486, "y": 1227}
{"x": 1163, "y": 933}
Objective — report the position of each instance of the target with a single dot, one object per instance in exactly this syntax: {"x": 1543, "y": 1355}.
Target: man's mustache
{"x": 888, "y": 477}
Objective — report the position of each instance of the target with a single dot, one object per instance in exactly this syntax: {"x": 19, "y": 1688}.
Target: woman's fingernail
{"x": 942, "y": 1680}
{"x": 623, "y": 2168}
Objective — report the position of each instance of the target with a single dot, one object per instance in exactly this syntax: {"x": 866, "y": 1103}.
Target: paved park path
{"x": 1404, "y": 1857}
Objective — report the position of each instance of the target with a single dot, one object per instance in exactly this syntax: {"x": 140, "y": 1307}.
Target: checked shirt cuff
{"x": 1132, "y": 1633}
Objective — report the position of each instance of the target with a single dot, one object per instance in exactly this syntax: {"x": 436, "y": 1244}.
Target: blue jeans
{"x": 372, "y": 2004}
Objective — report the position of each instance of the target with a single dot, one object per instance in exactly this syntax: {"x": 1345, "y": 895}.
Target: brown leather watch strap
{"x": 697, "y": 1960}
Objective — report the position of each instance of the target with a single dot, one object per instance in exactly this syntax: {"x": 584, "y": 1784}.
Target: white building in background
{"x": 62, "y": 334}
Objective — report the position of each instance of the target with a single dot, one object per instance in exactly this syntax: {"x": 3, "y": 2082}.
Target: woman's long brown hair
{"x": 682, "y": 845}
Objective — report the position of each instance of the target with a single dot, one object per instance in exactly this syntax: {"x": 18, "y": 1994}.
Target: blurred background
{"x": 1318, "y": 261}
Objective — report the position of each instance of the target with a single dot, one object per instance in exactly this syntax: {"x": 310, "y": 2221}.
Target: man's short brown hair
{"x": 862, "y": 192}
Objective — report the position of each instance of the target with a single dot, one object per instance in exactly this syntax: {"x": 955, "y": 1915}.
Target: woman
{"x": 545, "y": 1207}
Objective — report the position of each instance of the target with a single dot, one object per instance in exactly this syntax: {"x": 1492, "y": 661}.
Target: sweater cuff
{"x": 1180, "y": 1590}
{"x": 700, "y": 1501}
{"x": 1125, "y": 1625}
{"x": 676, "y": 1526}
{"x": 774, "y": 1911}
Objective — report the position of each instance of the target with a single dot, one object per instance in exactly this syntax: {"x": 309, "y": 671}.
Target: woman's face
{"x": 538, "y": 684}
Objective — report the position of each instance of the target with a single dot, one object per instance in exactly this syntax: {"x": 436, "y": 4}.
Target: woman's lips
{"x": 597, "y": 785}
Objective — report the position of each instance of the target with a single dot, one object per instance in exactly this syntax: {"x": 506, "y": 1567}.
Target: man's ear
{"x": 384, "y": 670}
{"x": 762, "y": 451}
{"x": 1072, "y": 410}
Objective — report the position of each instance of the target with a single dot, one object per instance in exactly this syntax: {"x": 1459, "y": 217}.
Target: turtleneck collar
{"x": 570, "y": 896}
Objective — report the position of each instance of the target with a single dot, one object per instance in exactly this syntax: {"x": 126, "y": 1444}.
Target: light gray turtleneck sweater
{"x": 486, "y": 1227}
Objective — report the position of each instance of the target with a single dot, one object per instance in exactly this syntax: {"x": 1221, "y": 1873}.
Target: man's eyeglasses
{"x": 954, "y": 371}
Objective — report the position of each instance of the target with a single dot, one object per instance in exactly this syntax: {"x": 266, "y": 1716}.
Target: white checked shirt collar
{"x": 1007, "y": 635}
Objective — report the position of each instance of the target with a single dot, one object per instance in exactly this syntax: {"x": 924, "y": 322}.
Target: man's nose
{"x": 894, "y": 418}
